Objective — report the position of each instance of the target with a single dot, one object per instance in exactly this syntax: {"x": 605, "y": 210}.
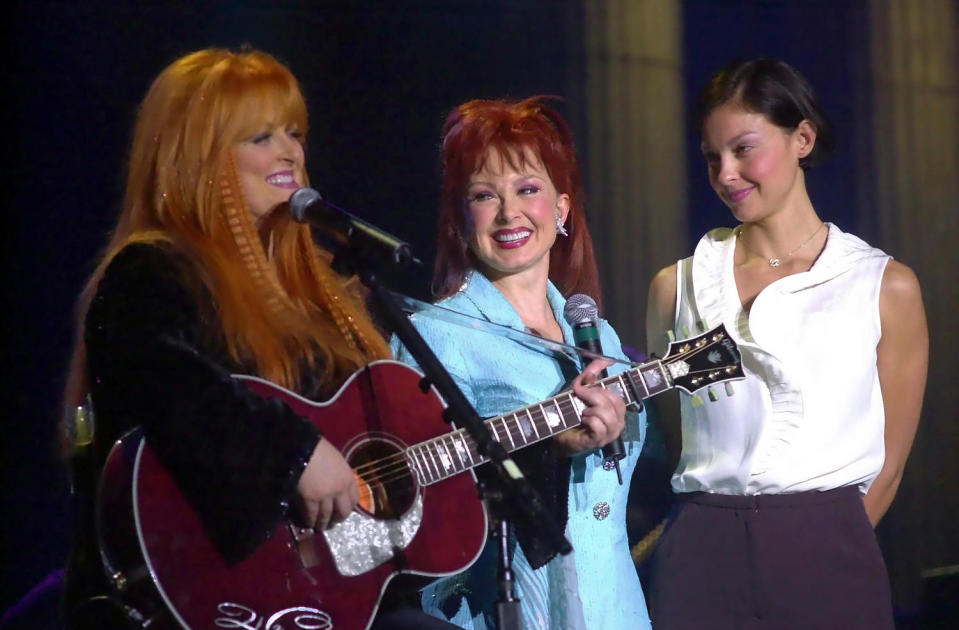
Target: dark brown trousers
{"x": 805, "y": 561}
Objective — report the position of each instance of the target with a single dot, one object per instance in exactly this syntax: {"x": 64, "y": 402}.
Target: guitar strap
{"x": 418, "y": 307}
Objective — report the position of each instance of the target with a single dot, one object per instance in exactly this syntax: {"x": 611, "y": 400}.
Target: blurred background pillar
{"x": 915, "y": 217}
{"x": 635, "y": 176}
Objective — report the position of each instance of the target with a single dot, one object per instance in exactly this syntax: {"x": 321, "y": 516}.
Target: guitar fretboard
{"x": 456, "y": 452}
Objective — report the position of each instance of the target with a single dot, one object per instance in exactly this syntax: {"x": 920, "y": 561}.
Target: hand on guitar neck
{"x": 603, "y": 418}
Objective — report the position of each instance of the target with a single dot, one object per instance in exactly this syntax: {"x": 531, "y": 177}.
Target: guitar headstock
{"x": 710, "y": 358}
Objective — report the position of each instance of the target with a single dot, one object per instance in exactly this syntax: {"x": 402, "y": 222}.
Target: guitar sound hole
{"x": 387, "y": 488}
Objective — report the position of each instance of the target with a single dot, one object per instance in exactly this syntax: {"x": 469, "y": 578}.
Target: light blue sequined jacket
{"x": 594, "y": 587}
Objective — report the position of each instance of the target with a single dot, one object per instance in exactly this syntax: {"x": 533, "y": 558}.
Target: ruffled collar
{"x": 714, "y": 282}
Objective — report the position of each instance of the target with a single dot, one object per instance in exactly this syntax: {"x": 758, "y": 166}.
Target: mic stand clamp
{"x": 508, "y": 611}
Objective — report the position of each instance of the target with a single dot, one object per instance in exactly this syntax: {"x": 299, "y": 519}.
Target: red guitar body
{"x": 157, "y": 552}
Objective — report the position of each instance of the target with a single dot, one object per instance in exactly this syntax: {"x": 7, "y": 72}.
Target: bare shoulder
{"x": 901, "y": 311}
{"x": 660, "y": 307}
{"x": 900, "y": 289}
{"x": 662, "y": 293}
{"x": 663, "y": 286}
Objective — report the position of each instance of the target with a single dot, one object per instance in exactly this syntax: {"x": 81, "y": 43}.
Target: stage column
{"x": 636, "y": 171}
{"x": 915, "y": 74}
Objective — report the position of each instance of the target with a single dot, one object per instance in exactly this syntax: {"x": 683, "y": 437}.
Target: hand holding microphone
{"x": 581, "y": 313}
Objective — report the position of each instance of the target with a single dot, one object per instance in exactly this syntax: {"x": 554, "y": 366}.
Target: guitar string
{"x": 400, "y": 468}
{"x": 539, "y": 421}
{"x": 397, "y": 465}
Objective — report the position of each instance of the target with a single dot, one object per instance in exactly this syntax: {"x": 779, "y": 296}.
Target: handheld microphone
{"x": 581, "y": 313}
{"x": 308, "y": 206}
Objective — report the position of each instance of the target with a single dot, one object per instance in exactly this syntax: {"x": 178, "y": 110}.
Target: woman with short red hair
{"x": 513, "y": 244}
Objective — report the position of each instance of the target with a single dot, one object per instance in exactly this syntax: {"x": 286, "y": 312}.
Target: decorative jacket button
{"x": 601, "y": 510}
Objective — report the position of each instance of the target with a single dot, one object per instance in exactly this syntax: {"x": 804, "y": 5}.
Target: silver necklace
{"x": 776, "y": 261}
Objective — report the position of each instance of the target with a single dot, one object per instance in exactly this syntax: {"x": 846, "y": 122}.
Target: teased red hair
{"x": 513, "y": 130}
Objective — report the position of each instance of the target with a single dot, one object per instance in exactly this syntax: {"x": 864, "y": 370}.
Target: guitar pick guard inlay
{"x": 361, "y": 543}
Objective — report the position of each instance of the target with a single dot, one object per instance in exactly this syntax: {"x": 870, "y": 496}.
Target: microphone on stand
{"x": 581, "y": 313}
{"x": 308, "y": 206}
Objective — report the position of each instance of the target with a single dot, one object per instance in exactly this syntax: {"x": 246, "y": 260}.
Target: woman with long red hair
{"x": 203, "y": 277}
{"x": 513, "y": 244}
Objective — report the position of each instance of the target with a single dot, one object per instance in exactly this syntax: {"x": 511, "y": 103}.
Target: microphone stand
{"x": 516, "y": 488}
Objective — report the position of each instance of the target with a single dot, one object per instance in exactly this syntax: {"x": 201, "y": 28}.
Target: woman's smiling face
{"x": 512, "y": 208}
{"x": 753, "y": 164}
{"x": 271, "y": 166}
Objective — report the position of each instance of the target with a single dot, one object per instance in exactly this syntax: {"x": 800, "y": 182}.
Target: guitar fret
{"x": 457, "y": 450}
{"x": 632, "y": 379}
{"x": 411, "y": 452}
{"x": 655, "y": 378}
{"x": 533, "y": 422}
{"x": 559, "y": 410}
{"x": 492, "y": 426}
{"x": 448, "y": 463}
{"x": 548, "y": 419}
{"x": 509, "y": 434}
{"x": 436, "y": 466}
{"x": 424, "y": 452}
{"x": 624, "y": 389}
{"x": 460, "y": 460}
{"x": 569, "y": 409}
{"x": 577, "y": 406}
{"x": 519, "y": 429}
{"x": 467, "y": 448}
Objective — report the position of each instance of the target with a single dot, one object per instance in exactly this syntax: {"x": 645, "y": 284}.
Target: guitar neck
{"x": 456, "y": 452}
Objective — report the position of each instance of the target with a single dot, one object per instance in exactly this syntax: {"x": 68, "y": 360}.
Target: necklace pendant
{"x": 773, "y": 262}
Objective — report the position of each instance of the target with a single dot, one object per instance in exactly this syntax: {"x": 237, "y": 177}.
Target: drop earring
{"x": 559, "y": 226}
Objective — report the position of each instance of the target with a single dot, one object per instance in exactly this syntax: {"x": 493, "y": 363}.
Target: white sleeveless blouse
{"x": 809, "y": 415}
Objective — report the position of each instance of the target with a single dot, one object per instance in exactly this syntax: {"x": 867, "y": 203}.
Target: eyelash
{"x": 480, "y": 196}
{"x": 266, "y": 135}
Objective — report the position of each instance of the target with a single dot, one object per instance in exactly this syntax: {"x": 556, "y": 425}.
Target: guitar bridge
{"x": 305, "y": 539}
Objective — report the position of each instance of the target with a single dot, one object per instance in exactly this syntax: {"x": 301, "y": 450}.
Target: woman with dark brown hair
{"x": 780, "y": 485}
{"x": 513, "y": 244}
{"x": 203, "y": 278}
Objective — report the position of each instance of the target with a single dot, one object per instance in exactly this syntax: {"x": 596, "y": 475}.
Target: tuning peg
{"x": 670, "y": 336}
{"x": 729, "y": 388}
{"x": 701, "y": 325}
{"x": 696, "y": 400}
{"x": 713, "y": 396}
{"x": 686, "y": 333}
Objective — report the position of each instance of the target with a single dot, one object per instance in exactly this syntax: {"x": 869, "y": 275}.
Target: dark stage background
{"x": 378, "y": 78}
